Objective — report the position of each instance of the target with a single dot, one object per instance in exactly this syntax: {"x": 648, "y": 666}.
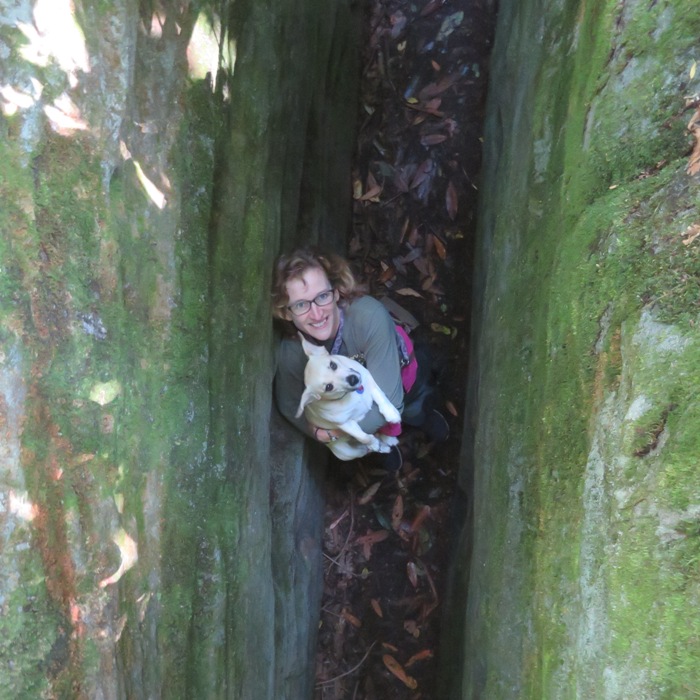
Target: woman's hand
{"x": 324, "y": 435}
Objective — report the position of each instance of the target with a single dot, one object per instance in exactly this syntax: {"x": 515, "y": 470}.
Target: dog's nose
{"x": 353, "y": 380}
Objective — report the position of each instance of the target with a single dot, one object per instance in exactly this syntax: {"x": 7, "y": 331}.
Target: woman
{"x": 318, "y": 295}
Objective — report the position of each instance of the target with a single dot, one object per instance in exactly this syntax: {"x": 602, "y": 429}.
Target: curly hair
{"x": 295, "y": 264}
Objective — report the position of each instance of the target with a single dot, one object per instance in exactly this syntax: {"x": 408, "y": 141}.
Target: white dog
{"x": 339, "y": 392}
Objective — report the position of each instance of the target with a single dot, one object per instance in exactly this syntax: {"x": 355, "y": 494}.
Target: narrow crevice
{"x": 388, "y": 540}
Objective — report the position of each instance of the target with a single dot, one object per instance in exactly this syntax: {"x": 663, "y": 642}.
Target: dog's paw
{"x": 389, "y": 440}
{"x": 390, "y": 413}
{"x": 375, "y": 445}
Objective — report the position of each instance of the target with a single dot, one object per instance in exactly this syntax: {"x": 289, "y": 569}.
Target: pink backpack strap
{"x": 408, "y": 378}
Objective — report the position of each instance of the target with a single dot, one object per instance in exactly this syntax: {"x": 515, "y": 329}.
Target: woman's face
{"x": 319, "y": 322}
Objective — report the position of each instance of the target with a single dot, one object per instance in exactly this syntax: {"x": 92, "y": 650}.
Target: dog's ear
{"x": 311, "y": 349}
{"x": 309, "y": 396}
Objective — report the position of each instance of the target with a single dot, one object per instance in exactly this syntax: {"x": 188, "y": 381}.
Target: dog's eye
{"x": 329, "y": 387}
{"x": 334, "y": 366}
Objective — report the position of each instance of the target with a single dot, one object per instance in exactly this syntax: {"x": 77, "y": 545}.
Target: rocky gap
{"x": 415, "y": 186}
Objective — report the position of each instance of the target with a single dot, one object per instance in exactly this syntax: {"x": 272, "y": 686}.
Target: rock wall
{"x": 581, "y": 442}
{"x": 153, "y": 159}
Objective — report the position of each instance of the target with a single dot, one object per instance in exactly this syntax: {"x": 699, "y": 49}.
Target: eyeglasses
{"x": 299, "y": 308}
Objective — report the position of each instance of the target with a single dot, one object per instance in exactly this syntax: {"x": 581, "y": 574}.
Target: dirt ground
{"x": 416, "y": 179}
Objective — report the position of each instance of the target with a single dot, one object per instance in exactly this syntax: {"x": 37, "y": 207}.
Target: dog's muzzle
{"x": 353, "y": 381}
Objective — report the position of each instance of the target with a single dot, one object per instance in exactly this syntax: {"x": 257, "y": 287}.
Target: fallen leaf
{"x": 451, "y": 408}
{"x": 412, "y": 628}
{"x": 432, "y": 139}
{"x": 408, "y": 292}
{"x": 371, "y": 194}
{"x": 397, "y": 512}
{"x": 398, "y": 22}
{"x": 693, "y": 166}
{"x": 427, "y": 283}
{"x": 376, "y": 607}
{"x": 439, "y": 328}
{"x": 357, "y": 188}
{"x": 423, "y": 265}
{"x": 387, "y": 275}
{"x": 449, "y": 24}
{"x": 423, "y": 172}
{"x": 367, "y": 496}
{"x": 435, "y": 89}
{"x": 420, "y": 656}
{"x": 372, "y": 537}
{"x": 129, "y": 556}
{"x": 693, "y": 68}
{"x": 423, "y": 513}
{"x": 440, "y": 247}
{"x": 349, "y": 617}
{"x": 691, "y": 233}
{"x": 373, "y": 189}
{"x": 431, "y": 6}
{"x": 451, "y": 200}
{"x": 413, "y": 254}
{"x": 412, "y": 573}
{"x": 395, "y": 667}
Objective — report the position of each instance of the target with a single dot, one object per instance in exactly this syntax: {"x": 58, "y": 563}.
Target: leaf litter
{"x": 415, "y": 187}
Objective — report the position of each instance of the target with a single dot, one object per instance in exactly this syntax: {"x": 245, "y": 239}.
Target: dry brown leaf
{"x": 387, "y": 275}
{"x": 412, "y": 628}
{"x": 423, "y": 171}
{"x": 423, "y": 265}
{"x": 427, "y": 283}
{"x": 414, "y": 237}
{"x": 451, "y": 408}
{"x": 433, "y": 107}
{"x": 451, "y": 201}
{"x": 432, "y": 139}
{"x": 440, "y": 247}
{"x": 412, "y": 573}
{"x": 423, "y": 513}
{"x": 433, "y": 89}
{"x": 397, "y": 512}
{"x": 431, "y": 6}
{"x": 420, "y": 656}
{"x": 376, "y": 607}
{"x": 691, "y": 233}
{"x": 372, "y": 537}
{"x": 693, "y": 166}
{"x": 368, "y": 495}
{"x": 357, "y": 189}
{"x": 408, "y": 292}
{"x": 404, "y": 228}
{"x": 349, "y": 617}
{"x": 395, "y": 667}
{"x": 371, "y": 194}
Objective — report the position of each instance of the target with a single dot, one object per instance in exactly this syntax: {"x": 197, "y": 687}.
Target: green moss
{"x": 586, "y": 261}
{"x": 28, "y": 642}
